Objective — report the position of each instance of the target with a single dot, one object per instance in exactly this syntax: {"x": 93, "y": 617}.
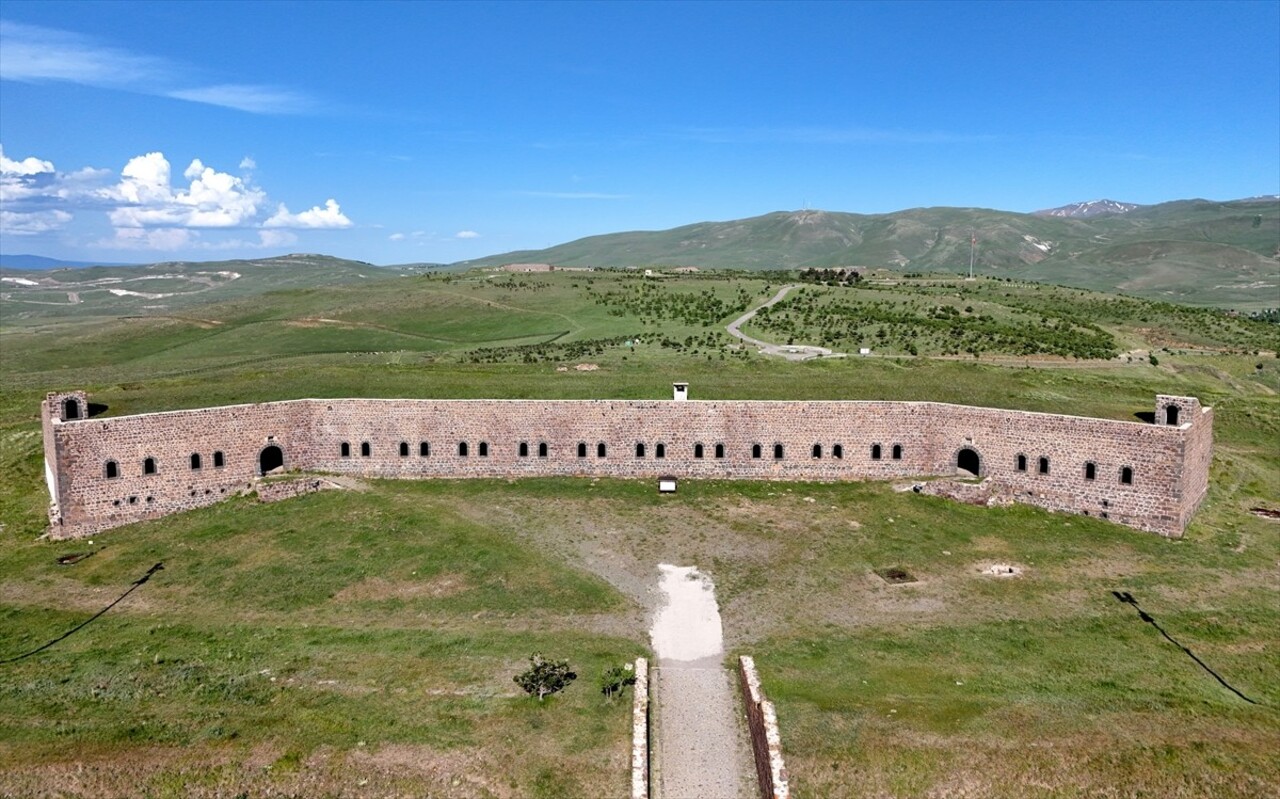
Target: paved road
{"x": 700, "y": 748}
{"x": 788, "y": 351}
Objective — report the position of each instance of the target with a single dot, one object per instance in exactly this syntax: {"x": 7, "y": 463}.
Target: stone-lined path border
{"x": 640, "y": 732}
{"x": 766, "y": 741}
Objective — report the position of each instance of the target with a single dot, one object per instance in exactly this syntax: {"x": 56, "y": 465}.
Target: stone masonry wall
{"x": 760, "y": 440}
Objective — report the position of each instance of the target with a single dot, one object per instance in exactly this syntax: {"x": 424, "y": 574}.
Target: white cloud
{"x": 31, "y": 187}
{"x": 254, "y": 99}
{"x": 466, "y": 234}
{"x": 29, "y": 224}
{"x": 330, "y": 216}
{"x": 213, "y": 199}
{"x": 147, "y": 210}
{"x": 396, "y": 237}
{"x": 31, "y": 53}
{"x": 248, "y": 164}
{"x": 35, "y": 54}
{"x": 27, "y": 166}
{"x": 136, "y": 238}
{"x": 275, "y": 238}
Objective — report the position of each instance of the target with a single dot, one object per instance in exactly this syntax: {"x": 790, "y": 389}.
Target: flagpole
{"x": 973, "y": 241}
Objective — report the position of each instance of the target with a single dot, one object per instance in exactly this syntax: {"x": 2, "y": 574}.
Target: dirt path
{"x": 788, "y": 351}
{"x": 700, "y": 746}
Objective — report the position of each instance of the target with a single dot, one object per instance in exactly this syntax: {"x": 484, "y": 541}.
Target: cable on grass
{"x": 91, "y": 619}
{"x": 1127, "y": 598}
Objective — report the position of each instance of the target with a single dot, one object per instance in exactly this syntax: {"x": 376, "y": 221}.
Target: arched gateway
{"x": 271, "y": 457}
{"x": 968, "y": 460}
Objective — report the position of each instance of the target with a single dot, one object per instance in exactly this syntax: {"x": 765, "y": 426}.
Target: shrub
{"x": 614, "y": 679}
{"x": 545, "y": 676}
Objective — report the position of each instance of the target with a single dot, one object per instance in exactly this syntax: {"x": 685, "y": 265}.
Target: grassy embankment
{"x": 311, "y": 645}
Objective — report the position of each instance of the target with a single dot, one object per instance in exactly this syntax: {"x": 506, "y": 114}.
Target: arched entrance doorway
{"x": 968, "y": 460}
{"x": 271, "y": 457}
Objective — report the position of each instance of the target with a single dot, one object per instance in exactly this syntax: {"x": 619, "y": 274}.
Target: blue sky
{"x": 405, "y": 132}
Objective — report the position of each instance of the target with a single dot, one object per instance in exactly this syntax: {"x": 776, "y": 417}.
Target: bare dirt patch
{"x": 381, "y": 588}
{"x": 895, "y": 575}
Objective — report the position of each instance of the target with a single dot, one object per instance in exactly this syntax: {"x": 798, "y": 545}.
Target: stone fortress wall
{"x": 104, "y": 472}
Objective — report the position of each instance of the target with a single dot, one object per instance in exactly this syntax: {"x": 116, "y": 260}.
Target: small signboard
{"x": 666, "y": 485}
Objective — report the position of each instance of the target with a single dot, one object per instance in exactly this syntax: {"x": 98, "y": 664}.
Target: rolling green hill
{"x": 1225, "y": 254}
{"x": 28, "y": 296}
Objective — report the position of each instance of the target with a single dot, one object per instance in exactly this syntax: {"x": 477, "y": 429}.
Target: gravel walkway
{"x": 700, "y": 748}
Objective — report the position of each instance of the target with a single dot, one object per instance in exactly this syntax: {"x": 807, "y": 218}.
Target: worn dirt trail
{"x": 700, "y": 748}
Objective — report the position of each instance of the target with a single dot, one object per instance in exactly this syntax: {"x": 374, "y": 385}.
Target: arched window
{"x": 582, "y": 449}
{"x": 659, "y": 450}
{"x": 837, "y": 451}
{"x": 777, "y": 452}
{"x": 524, "y": 449}
{"x": 70, "y": 409}
{"x": 365, "y": 450}
{"x": 639, "y": 450}
{"x": 875, "y": 452}
{"x": 756, "y": 450}
{"x": 897, "y": 452}
{"x": 1090, "y": 471}
{"x": 484, "y": 449}
{"x": 600, "y": 450}
{"x": 346, "y": 449}
{"x": 148, "y": 465}
{"x": 1171, "y": 414}
{"x": 1044, "y": 466}
{"x": 720, "y": 450}
{"x": 112, "y": 470}
{"x": 1020, "y": 463}
{"x": 424, "y": 449}
{"x": 697, "y": 451}
{"x": 195, "y": 461}
{"x": 542, "y": 449}
{"x": 218, "y": 460}
{"x": 462, "y": 449}
{"x": 1126, "y": 476}
{"x": 404, "y": 449}
{"x": 817, "y": 450}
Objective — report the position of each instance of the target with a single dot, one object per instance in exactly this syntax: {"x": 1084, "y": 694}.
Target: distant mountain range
{"x": 1089, "y": 208}
{"x": 40, "y": 262}
{"x": 1196, "y": 251}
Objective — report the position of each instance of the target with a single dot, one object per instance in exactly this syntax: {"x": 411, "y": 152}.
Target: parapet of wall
{"x": 766, "y": 740}
{"x": 1148, "y": 476}
{"x": 640, "y": 732}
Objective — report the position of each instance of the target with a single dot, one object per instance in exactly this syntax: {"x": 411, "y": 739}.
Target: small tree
{"x": 545, "y": 676}
{"x": 614, "y": 679}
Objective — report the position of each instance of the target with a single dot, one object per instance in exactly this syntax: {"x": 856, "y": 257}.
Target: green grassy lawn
{"x": 363, "y": 643}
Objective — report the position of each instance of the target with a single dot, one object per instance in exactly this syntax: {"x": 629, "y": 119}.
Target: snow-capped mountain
{"x": 1090, "y": 208}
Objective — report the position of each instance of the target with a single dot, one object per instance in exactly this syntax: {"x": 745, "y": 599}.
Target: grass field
{"x": 362, "y": 643}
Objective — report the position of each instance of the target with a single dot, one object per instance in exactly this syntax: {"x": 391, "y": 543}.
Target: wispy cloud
{"x": 573, "y": 195}
{"x": 254, "y": 99}
{"x": 466, "y": 234}
{"x": 821, "y": 135}
{"x": 35, "y": 54}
